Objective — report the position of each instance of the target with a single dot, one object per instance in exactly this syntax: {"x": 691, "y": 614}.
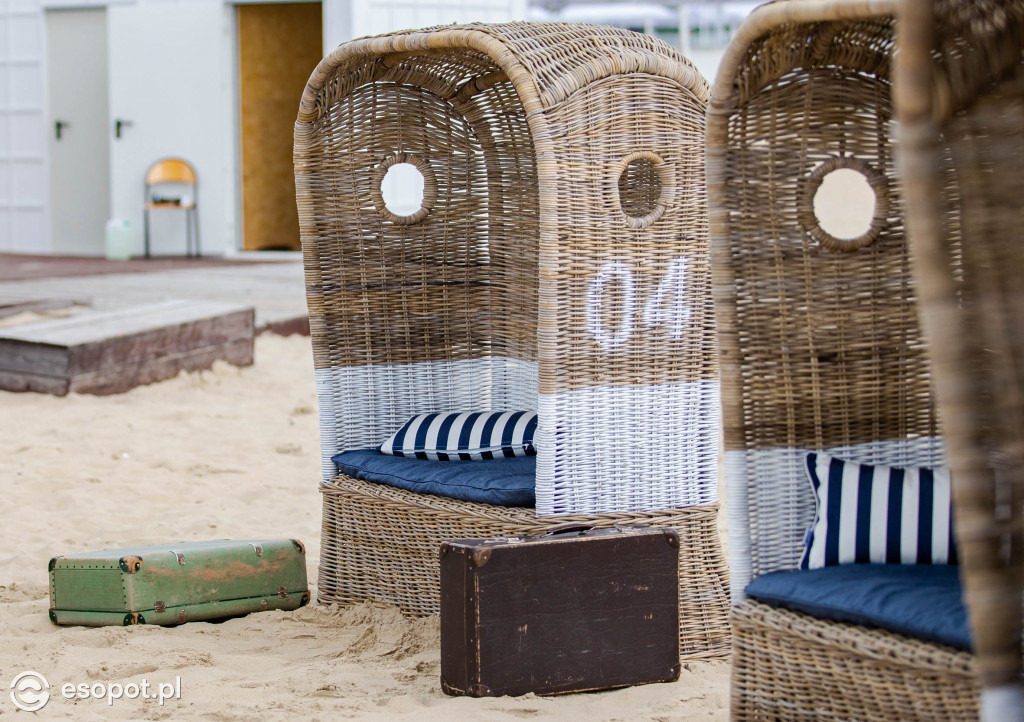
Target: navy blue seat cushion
{"x": 921, "y": 601}
{"x": 503, "y": 481}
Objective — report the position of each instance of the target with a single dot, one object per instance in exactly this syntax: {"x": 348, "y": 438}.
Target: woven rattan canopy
{"x": 822, "y": 350}
{"x": 960, "y": 76}
{"x": 558, "y": 260}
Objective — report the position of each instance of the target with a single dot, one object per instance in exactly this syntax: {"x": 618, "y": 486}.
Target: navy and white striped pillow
{"x": 878, "y": 514}
{"x": 465, "y": 436}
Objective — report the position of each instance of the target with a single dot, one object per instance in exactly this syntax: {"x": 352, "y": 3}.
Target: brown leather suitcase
{"x": 571, "y": 611}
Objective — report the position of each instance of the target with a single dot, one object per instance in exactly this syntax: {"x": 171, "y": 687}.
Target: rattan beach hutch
{"x": 558, "y": 262}
{"x": 822, "y": 353}
{"x": 960, "y": 97}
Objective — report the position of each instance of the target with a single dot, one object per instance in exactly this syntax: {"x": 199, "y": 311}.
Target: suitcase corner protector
{"x": 132, "y": 618}
{"x": 674, "y": 672}
{"x": 53, "y": 615}
{"x": 473, "y": 690}
{"x": 52, "y": 563}
{"x": 672, "y": 537}
{"x": 130, "y": 564}
{"x": 299, "y": 546}
{"x": 479, "y": 557}
{"x": 305, "y": 599}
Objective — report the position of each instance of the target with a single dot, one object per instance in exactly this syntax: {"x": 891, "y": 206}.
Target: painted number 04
{"x": 666, "y": 306}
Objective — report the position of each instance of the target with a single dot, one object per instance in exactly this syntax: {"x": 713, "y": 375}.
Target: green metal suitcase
{"x": 176, "y": 583}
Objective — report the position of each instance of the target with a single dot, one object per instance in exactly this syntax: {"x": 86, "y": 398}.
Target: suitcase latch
{"x": 282, "y": 592}
{"x": 159, "y": 607}
{"x": 257, "y": 548}
{"x": 180, "y": 557}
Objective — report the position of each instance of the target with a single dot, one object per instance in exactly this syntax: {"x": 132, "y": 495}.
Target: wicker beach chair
{"x": 821, "y": 351}
{"x": 960, "y": 96}
{"x": 558, "y": 262}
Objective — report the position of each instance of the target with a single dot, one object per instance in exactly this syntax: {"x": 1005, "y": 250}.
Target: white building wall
{"x": 348, "y": 19}
{"x": 173, "y": 74}
{"x": 23, "y": 182}
{"x": 337, "y": 23}
{"x": 382, "y": 17}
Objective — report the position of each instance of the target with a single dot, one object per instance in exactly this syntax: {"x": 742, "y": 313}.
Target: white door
{"x": 79, "y": 130}
{"x": 171, "y": 77}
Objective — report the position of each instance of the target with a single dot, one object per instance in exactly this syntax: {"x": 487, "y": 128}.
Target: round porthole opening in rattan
{"x": 402, "y": 188}
{"x": 644, "y": 187}
{"x": 396, "y": 182}
{"x": 844, "y": 204}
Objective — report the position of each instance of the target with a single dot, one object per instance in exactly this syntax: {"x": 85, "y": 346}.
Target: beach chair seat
{"x": 381, "y": 543}
{"x": 803, "y": 668}
{"x": 923, "y": 601}
{"x": 555, "y": 260}
{"x": 501, "y": 482}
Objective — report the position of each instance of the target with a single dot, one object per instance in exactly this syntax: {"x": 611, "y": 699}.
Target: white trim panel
{"x": 361, "y": 406}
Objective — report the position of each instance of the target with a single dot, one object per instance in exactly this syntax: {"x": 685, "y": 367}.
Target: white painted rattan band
{"x": 600, "y": 449}
{"x": 627, "y": 448}
{"x": 360, "y": 406}
{"x": 737, "y": 512}
{"x": 772, "y": 485}
{"x": 1002, "y": 703}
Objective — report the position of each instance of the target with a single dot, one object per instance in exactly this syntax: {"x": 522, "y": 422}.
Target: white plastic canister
{"x": 119, "y": 239}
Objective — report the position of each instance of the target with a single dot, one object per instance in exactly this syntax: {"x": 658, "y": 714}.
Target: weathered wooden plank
{"x": 10, "y": 308}
{"x": 21, "y": 381}
{"x": 17, "y": 356}
{"x": 94, "y": 326}
{"x": 117, "y": 379}
{"x": 113, "y": 351}
{"x": 165, "y": 340}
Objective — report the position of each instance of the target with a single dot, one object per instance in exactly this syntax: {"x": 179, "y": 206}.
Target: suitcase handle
{"x": 568, "y": 529}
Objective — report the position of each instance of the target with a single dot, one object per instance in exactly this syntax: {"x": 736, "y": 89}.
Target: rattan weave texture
{"x": 820, "y": 347}
{"x": 789, "y": 666}
{"x": 558, "y": 262}
{"x": 961, "y": 102}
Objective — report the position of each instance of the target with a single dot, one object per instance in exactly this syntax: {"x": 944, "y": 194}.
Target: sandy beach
{"x": 227, "y": 453}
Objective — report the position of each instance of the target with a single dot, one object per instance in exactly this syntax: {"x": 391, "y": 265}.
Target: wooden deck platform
{"x": 107, "y": 352}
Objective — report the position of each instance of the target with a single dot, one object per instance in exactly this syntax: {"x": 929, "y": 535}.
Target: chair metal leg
{"x": 195, "y": 222}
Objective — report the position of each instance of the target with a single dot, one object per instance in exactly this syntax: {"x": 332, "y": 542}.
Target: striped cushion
{"x": 878, "y": 515}
{"x": 465, "y": 436}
